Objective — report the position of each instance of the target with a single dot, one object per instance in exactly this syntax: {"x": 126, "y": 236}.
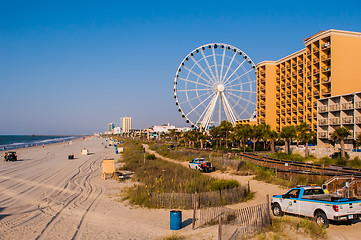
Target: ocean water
{"x": 8, "y": 142}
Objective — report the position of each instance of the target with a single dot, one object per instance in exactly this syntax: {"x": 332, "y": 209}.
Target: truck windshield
{"x": 313, "y": 192}
{"x": 292, "y": 193}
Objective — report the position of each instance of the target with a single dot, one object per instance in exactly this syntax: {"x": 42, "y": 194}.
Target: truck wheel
{"x": 276, "y": 210}
{"x": 321, "y": 219}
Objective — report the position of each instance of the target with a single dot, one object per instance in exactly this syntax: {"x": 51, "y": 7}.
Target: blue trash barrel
{"x": 116, "y": 151}
{"x": 175, "y": 219}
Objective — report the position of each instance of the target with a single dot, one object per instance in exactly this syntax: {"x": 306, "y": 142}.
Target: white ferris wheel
{"x": 215, "y": 82}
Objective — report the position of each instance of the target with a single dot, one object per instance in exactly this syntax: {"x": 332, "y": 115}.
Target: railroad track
{"x": 299, "y": 167}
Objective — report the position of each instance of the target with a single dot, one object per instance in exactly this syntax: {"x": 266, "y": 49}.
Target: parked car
{"x": 201, "y": 164}
{"x": 312, "y": 202}
{"x": 10, "y": 156}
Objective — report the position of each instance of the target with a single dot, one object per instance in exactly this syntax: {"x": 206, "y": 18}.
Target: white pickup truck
{"x": 312, "y": 201}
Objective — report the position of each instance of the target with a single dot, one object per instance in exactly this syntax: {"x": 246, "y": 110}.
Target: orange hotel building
{"x": 288, "y": 89}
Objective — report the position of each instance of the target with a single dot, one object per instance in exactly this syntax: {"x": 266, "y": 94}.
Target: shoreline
{"x": 32, "y": 146}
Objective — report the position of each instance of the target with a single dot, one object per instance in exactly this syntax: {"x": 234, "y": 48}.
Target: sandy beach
{"x": 44, "y": 195}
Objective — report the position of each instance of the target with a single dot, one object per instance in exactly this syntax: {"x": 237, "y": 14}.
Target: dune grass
{"x": 156, "y": 175}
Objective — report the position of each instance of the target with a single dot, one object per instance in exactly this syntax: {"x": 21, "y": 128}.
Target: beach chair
{"x": 109, "y": 169}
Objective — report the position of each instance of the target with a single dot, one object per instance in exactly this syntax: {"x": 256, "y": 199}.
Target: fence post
{"x": 249, "y": 188}
{"x": 219, "y": 227}
{"x": 194, "y": 209}
{"x": 268, "y": 210}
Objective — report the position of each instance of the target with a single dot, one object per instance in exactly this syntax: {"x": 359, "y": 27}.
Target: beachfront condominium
{"x": 126, "y": 124}
{"x": 288, "y": 89}
{"x": 110, "y": 126}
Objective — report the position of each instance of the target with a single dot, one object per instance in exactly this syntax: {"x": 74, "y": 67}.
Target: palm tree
{"x": 305, "y": 134}
{"x": 255, "y": 134}
{"x": 244, "y": 132}
{"x": 288, "y": 133}
{"x": 358, "y": 140}
{"x": 225, "y": 128}
{"x": 214, "y": 132}
{"x": 272, "y": 136}
{"x": 341, "y": 133}
{"x": 264, "y": 129}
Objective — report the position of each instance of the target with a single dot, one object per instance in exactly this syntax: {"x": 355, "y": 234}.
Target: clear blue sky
{"x": 71, "y": 67}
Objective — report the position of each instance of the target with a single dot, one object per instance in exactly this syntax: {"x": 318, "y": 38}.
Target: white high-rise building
{"x": 126, "y": 124}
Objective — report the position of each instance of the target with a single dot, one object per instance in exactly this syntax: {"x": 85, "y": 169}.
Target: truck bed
{"x": 323, "y": 197}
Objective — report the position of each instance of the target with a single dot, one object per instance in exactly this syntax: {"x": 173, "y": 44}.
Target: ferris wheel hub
{"x": 220, "y": 87}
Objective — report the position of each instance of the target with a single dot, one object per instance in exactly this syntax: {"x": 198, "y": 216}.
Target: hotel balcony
{"x": 309, "y": 95}
{"x": 308, "y": 52}
{"x": 300, "y": 108}
{"x": 278, "y": 104}
{"x": 308, "y": 74}
{"x": 294, "y": 74}
{"x": 322, "y": 122}
{"x": 288, "y": 84}
{"x": 283, "y": 85}
{"x": 262, "y": 121}
{"x": 282, "y": 77}
{"x": 288, "y": 92}
{"x": 316, "y": 81}
{"x": 347, "y": 106}
{"x": 282, "y": 69}
{"x": 294, "y": 109}
{"x": 283, "y": 102}
{"x": 316, "y": 60}
{"x": 263, "y": 96}
{"x": 288, "y": 110}
{"x": 300, "y": 99}
{"x": 278, "y": 87}
{"x": 262, "y": 80}
{"x": 278, "y": 111}
{"x": 325, "y": 79}
{"x": 315, "y": 49}
{"x": 316, "y": 93}
{"x": 325, "y": 45}
{"x": 347, "y": 120}
{"x": 308, "y": 105}
{"x": 323, "y": 134}
{"x": 283, "y": 94}
{"x": 314, "y": 115}
{"x": 326, "y": 69}
{"x": 300, "y": 90}
{"x": 322, "y": 109}
{"x": 300, "y": 118}
{"x": 294, "y": 65}
{"x": 300, "y": 62}
{"x": 358, "y": 105}
{"x": 325, "y": 57}
{"x": 262, "y": 72}
{"x": 288, "y": 75}
{"x": 289, "y": 119}
{"x": 325, "y": 91}
{"x": 283, "y": 111}
{"x": 309, "y": 84}
{"x": 334, "y": 121}
{"x": 277, "y": 71}
{"x": 294, "y": 119}
{"x": 288, "y": 101}
{"x": 262, "y": 104}
{"x": 277, "y": 95}
{"x": 358, "y": 120}
{"x": 334, "y": 107}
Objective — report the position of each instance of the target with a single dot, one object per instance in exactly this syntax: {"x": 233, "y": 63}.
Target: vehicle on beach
{"x": 201, "y": 164}
{"x": 311, "y": 201}
{"x": 84, "y": 151}
{"x": 10, "y": 156}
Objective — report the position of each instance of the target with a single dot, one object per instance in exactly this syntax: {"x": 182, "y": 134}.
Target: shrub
{"x": 223, "y": 184}
{"x": 150, "y": 157}
{"x": 355, "y": 163}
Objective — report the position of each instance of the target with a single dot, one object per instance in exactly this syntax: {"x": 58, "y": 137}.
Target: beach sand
{"x": 45, "y": 195}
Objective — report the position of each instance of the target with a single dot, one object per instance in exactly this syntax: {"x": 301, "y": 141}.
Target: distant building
{"x": 126, "y": 124}
{"x": 110, "y": 126}
{"x": 116, "y": 130}
{"x": 163, "y": 128}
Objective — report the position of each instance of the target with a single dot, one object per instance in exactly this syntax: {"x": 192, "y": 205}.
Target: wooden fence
{"x": 236, "y": 223}
{"x": 204, "y": 199}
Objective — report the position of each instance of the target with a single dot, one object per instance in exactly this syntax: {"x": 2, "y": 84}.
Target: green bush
{"x": 355, "y": 163}
{"x": 150, "y": 157}
{"x": 223, "y": 184}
